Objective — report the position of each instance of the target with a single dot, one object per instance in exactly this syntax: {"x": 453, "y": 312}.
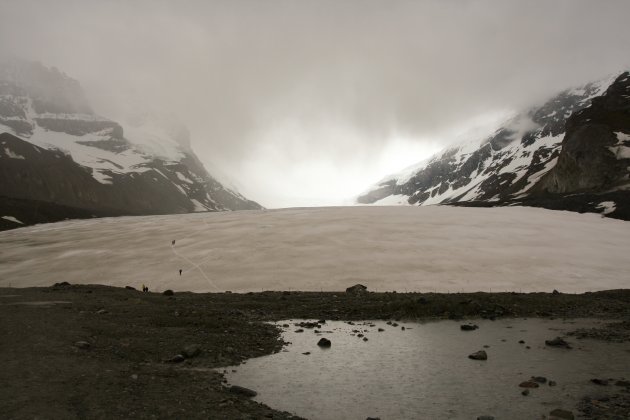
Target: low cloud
{"x": 294, "y": 99}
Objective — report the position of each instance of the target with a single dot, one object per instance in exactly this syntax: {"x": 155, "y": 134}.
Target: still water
{"x": 423, "y": 372}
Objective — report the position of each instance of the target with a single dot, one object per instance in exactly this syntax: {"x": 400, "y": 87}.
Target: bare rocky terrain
{"x": 87, "y": 351}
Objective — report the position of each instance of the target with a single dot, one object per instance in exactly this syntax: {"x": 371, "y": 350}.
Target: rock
{"x": 468, "y": 327}
{"x": 373, "y": 418}
{"x": 485, "y": 418}
{"x": 365, "y": 339}
{"x": 306, "y": 353}
{"x": 555, "y": 292}
{"x": 178, "y": 358}
{"x": 558, "y": 342}
{"x": 191, "y": 350}
{"x": 130, "y": 288}
{"x": 321, "y": 321}
{"x": 539, "y": 379}
{"x": 324, "y": 342}
{"x": 562, "y": 414}
{"x": 308, "y": 324}
{"x": 602, "y": 382}
{"x": 235, "y": 389}
{"x": 525, "y": 392}
{"x": 394, "y": 324}
{"x": 62, "y": 284}
{"x": 299, "y": 330}
{"x": 480, "y": 355}
{"x": 521, "y": 341}
{"x": 402, "y": 328}
{"x": 552, "y": 383}
{"x": 380, "y": 330}
{"x": 83, "y": 345}
{"x": 528, "y": 384}
{"x": 356, "y": 289}
{"x": 623, "y": 383}
{"x": 285, "y": 325}
{"x": 168, "y": 292}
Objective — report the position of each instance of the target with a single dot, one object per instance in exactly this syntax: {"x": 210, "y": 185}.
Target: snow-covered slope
{"x": 47, "y": 109}
{"x": 386, "y": 248}
{"x": 505, "y": 167}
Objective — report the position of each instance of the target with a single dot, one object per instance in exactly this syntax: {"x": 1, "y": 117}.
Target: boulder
{"x": 356, "y": 289}
{"x": 558, "y": 342}
{"x": 468, "y": 327}
{"x": 561, "y": 414}
{"x": 178, "y": 358}
{"x": 324, "y": 342}
{"x": 602, "y": 382}
{"x": 480, "y": 355}
{"x": 240, "y": 390}
{"x": 191, "y": 350}
{"x": 168, "y": 292}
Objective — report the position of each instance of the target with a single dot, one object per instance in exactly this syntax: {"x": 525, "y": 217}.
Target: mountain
{"x": 59, "y": 159}
{"x": 571, "y": 153}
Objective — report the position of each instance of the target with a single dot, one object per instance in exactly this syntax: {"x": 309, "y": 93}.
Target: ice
{"x": 403, "y": 248}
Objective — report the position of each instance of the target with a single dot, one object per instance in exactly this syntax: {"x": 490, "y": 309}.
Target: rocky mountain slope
{"x": 571, "y": 153}
{"x": 58, "y": 159}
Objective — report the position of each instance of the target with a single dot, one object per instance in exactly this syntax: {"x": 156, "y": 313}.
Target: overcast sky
{"x": 310, "y": 102}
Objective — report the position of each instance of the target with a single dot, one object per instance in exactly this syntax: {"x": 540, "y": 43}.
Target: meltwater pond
{"x": 424, "y": 371}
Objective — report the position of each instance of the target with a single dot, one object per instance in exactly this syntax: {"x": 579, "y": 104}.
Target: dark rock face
{"x": 592, "y": 157}
{"x": 46, "y": 123}
{"x": 572, "y": 153}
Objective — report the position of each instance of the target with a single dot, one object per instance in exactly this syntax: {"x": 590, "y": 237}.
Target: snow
{"x": 620, "y": 150}
{"x": 12, "y": 155}
{"x": 12, "y": 219}
{"x": 393, "y": 200}
{"x": 183, "y": 178}
{"x": 386, "y": 248}
{"x": 607, "y": 206}
{"x": 198, "y": 205}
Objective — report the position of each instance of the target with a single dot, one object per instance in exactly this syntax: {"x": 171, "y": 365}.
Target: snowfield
{"x": 432, "y": 248}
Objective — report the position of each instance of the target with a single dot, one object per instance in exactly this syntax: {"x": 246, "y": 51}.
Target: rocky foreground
{"x": 103, "y": 352}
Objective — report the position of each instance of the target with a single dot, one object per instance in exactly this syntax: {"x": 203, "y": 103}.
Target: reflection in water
{"x": 424, "y": 372}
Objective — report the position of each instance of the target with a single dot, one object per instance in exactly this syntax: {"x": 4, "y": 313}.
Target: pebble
{"x": 84, "y": 345}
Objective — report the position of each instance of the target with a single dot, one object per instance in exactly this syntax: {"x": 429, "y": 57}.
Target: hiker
{"x": 180, "y": 271}
{"x": 144, "y": 288}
